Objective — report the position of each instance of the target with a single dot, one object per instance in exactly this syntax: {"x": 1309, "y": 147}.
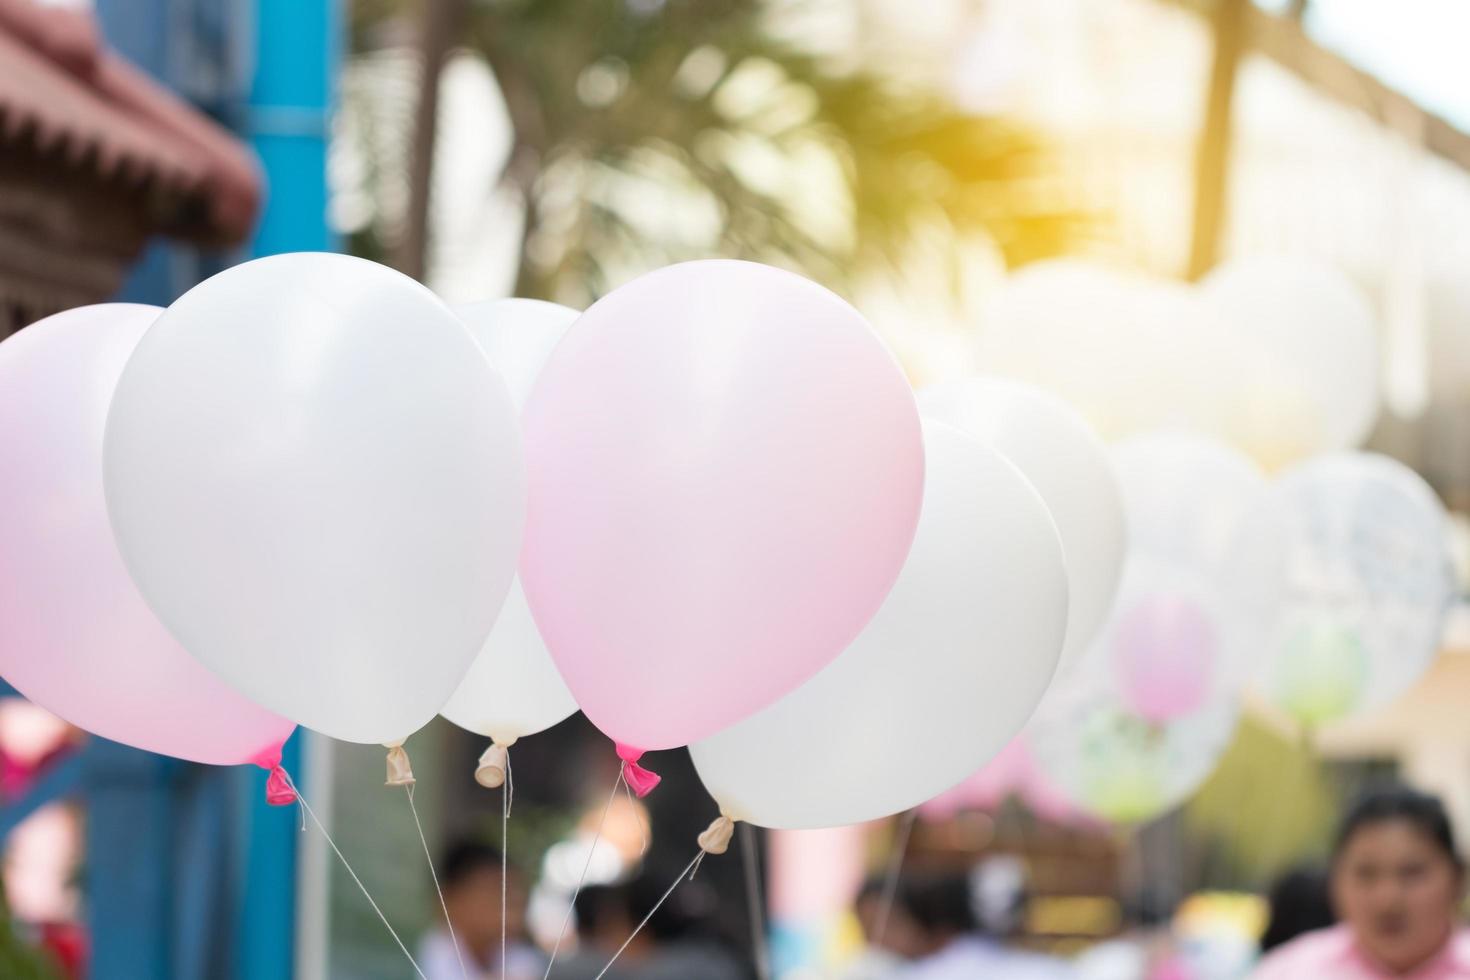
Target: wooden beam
{"x": 1286, "y": 42}
{"x": 1212, "y": 164}
{"x": 439, "y": 28}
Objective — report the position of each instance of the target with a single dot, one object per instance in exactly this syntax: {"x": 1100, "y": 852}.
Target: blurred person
{"x": 470, "y": 876}
{"x": 1147, "y": 950}
{"x": 1396, "y": 882}
{"x": 1298, "y": 902}
{"x": 677, "y": 943}
{"x": 887, "y": 945}
{"x": 944, "y": 909}
{"x": 605, "y": 919}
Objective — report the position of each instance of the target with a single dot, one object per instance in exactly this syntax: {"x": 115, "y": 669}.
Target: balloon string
{"x": 759, "y": 940}
{"x": 507, "y": 793}
{"x": 363, "y": 888}
{"x": 453, "y": 939}
{"x": 689, "y": 871}
{"x": 572, "y": 902}
{"x": 894, "y": 872}
{"x": 642, "y": 827}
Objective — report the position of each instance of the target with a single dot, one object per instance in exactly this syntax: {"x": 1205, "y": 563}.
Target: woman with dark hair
{"x": 1396, "y": 881}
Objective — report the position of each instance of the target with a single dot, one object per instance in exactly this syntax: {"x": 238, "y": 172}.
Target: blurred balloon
{"x": 314, "y": 475}
{"x": 1110, "y": 762}
{"x": 1164, "y": 651}
{"x": 1136, "y": 354}
{"x": 1011, "y": 774}
{"x": 75, "y": 635}
{"x": 1318, "y": 328}
{"x": 513, "y": 688}
{"x": 1369, "y": 579}
{"x": 1204, "y": 530}
{"x": 944, "y": 676}
{"x": 1320, "y": 673}
{"x": 725, "y": 471}
{"x": 1129, "y": 351}
{"x": 1058, "y": 453}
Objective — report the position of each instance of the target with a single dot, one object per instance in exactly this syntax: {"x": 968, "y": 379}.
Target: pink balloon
{"x": 724, "y": 472}
{"x": 75, "y": 634}
{"x": 1164, "y": 650}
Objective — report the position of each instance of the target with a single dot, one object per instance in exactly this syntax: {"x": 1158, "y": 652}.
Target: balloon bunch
{"x": 705, "y": 511}
{"x": 1324, "y": 587}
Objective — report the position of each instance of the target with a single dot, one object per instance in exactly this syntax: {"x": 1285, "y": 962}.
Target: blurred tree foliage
{"x": 648, "y": 131}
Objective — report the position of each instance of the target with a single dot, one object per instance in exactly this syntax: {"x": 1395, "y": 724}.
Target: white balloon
{"x": 315, "y": 478}
{"x": 513, "y": 689}
{"x": 518, "y": 335}
{"x": 1317, "y": 326}
{"x": 942, "y": 678}
{"x": 1136, "y": 354}
{"x": 1058, "y": 453}
{"x": 1130, "y": 352}
{"x": 1203, "y": 522}
{"x": 1369, "y": 579}
{"x": 1111, "y": 763}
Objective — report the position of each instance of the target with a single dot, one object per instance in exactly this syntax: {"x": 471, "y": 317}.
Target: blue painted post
{"x": 297, "y": 56}
{"x": 190, "y": 874}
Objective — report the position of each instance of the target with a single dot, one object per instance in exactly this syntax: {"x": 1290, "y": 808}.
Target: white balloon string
{"x": 689, "y": 872}
{"x": 894, "y": 872}
{"x": 363, "y": 888}
{"x": 504, "y": 861}
{"x": 453, "y": 939}
{"x": 572, "y": 902}
{"x": 510, "y": 784}
{"x": 642, "y": 828}
{"x": 759, "y": 940}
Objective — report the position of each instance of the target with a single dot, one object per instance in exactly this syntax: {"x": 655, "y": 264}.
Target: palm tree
{"x": 648, "y": 131}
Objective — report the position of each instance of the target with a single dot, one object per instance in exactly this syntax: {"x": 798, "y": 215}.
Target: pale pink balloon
{"x": 724, "y": 473}
{"x": 1012, "y": 773}
{"x": 75, "y": 634}
{"x": 1164, "y": 651}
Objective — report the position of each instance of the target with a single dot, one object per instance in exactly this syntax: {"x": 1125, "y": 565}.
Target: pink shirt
{"x": 1331, "y": 954}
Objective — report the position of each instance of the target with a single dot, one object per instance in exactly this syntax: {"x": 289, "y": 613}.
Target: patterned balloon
{"x": 1369, "y": 580}
{"x": 1111, "y": 762}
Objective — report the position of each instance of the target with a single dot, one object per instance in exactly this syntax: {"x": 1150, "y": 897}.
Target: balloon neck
{"x": 270, "y": 758}
{"x": 400, "y": 772}
{"x": 640, "y": 780}
{"x": 278, "y": 789}
{"x": 716, "y": 837}
{"x": 490, "y": 770}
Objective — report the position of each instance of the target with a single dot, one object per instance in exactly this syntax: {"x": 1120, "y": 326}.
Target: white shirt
{"x": 437, "y": 959}
{"x": 971, "y": 957}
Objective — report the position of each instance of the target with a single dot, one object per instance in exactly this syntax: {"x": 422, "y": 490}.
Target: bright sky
{"x": 1416, "y": 46}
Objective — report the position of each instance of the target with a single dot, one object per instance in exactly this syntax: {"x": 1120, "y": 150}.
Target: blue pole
{"x": 297, "y": 54}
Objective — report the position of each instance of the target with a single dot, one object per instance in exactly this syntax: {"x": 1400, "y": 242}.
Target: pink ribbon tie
{"x": 278, "y": 791}
{"x": 641, "y": 781}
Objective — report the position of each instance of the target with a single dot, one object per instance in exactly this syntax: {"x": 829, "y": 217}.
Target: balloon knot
{"x": 400, "y": 773}
{"x": 716, "y": 837}
{"x": 278, "y": 791}
{"x": 490, "y": 771}
{"x": 641, "y": 781}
